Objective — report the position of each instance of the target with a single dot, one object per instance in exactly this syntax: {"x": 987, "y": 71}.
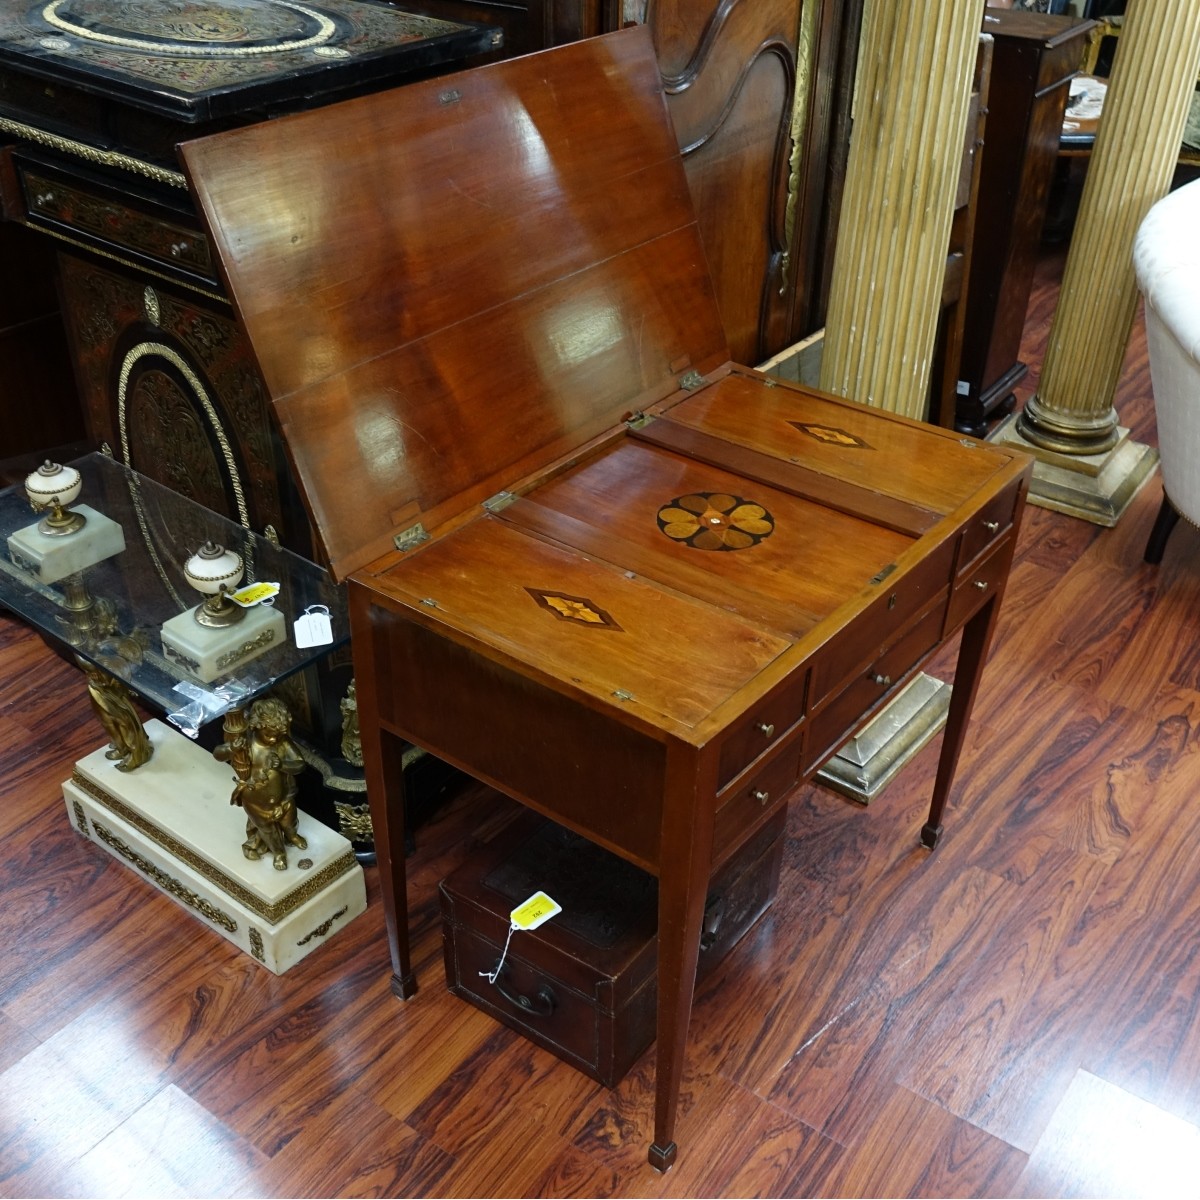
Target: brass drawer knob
{"x": 882, "y": 680}
{"x": 981, "y": 584}
{"x": 765, "y": 729}
{"x": 991, "y": 526}
{"x": 760, "y": 796}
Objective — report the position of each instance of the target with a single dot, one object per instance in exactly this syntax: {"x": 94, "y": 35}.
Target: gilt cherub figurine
{"x": 129, "y": 746}
{"x": 266, "y": 763}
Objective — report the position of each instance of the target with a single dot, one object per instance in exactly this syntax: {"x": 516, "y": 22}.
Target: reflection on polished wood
{"x": 960, "y": 1024}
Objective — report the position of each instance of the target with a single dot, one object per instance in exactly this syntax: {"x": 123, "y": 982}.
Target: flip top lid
{"x": 451, "y": 283}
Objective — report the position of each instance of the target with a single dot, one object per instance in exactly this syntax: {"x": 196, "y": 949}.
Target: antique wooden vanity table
{"x": 639, "y": 589}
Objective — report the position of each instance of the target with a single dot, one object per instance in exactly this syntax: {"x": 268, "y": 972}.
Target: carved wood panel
{"x": 729, "y": 68}
{"x": 759, "y": 93}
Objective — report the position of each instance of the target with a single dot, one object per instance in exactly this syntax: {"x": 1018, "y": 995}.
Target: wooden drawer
{"x": 750, "y": 800}
{"x": 871, "y": 688}
{"x": 763, "y": 726}
{"x": 110, "y": 223}
{"x": 887, "y": 615}
{"x": 991, "y": 523}
{"x": 977, "y": 584}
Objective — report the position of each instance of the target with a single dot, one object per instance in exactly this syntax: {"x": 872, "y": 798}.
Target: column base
{"x": 170, "y": 822}
{"x": 869, "y": 761}
{"x": 1094, "y": 487}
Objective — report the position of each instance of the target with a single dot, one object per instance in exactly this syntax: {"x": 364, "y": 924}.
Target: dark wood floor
{"x": 1017, "y": 1014}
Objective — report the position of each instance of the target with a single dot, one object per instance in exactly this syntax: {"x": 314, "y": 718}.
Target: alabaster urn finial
{"x": 54, "y": 486}
{"x": 214, "y": 571}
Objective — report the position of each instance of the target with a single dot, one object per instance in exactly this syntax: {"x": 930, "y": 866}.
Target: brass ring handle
{"x": 882, "y": 680}
{"x": 542, "y": 1005}
{"x": 765, "y": 729}
{"x": 981, "y": 584}
{"x": 991, "y": 526}
{"x": 760, "y": 796}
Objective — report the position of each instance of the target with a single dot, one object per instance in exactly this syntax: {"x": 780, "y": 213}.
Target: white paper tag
{"x": 313, "y": 628}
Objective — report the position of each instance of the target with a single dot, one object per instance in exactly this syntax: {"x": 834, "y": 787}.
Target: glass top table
{"x": 111, "y": 612}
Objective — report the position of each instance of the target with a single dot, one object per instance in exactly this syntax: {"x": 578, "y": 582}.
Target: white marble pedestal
{"x": 204, "y": 652}
{"x": 170, "y": 821}
{"x": 52, "y": 558}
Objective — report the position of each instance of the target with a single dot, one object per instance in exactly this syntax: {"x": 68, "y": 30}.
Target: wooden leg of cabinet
{"x": 685, "y": 857}
{"x": 383, "y": 763}
{"x": 972, "y": 654}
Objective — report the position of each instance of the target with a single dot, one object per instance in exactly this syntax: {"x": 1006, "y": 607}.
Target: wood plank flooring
{"x": 1017, "y": 1014}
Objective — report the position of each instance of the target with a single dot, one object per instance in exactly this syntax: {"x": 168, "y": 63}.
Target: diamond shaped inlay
{"x": 578, "y": 609}
{"x": 831, "y": 436}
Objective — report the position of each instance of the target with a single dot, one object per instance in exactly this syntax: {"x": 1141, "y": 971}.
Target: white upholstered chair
{"x": 1166, "y": 260}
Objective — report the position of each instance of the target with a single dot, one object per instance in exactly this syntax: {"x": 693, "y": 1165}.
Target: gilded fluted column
{"x": 916, "y": 66}
{"x": 1154, "y": 77}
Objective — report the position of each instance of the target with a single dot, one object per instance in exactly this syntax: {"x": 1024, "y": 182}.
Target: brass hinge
{"x": 691, "y": 380}
{"x": 499, "y": 501}
{"x": 638, "y": 420}
{"x": 414, "y": 535}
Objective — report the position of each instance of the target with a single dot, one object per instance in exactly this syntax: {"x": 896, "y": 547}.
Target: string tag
{"x": 313, "y": 627}
{"x": 529, "y": 914}
{"x": 255, "y": 593}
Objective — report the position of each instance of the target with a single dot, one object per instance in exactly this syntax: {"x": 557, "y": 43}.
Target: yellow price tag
{"x": 254, "y": 593}
{"x": 535, "y": 911}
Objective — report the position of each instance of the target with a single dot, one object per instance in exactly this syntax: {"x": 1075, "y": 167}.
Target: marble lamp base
{"x": 170, "y": 821}
{"x": 52, "y": 558}
{"x": 204, "y": 653}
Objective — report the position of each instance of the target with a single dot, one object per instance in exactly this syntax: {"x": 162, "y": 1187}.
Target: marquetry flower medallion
{"x": 831, "y": 436}
{"x": 715, "y": 521}
{"x": 577, "y": 609}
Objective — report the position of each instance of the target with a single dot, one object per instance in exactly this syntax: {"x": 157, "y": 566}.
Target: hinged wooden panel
{"x": 407, "y": 260}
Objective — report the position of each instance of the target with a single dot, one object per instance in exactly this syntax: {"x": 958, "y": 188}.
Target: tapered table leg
{"x": 686, "y": 857}
{"x": 382, "y": 760}
{"x": 972, "y": 654}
